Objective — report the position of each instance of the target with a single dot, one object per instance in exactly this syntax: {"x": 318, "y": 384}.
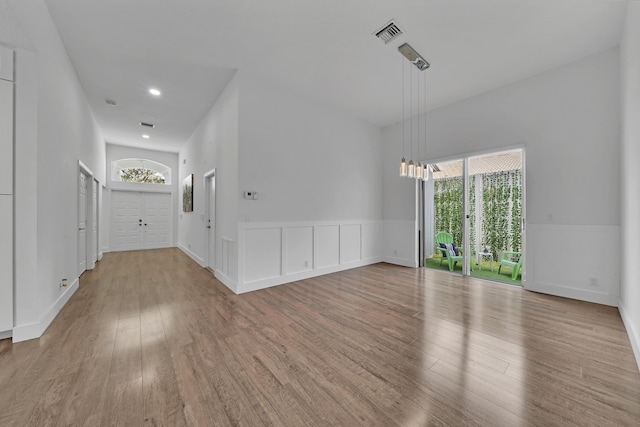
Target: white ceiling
{"x": 322, "y": 50}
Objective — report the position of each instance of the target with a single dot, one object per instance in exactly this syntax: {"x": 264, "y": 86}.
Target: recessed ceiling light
{"x": 155, "y": 92}
{"x": 145, "y": 136}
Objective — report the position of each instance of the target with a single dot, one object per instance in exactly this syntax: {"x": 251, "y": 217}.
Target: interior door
{"x": 82, "y": 223}
{"x": 94, "y": 220}
{"x": 211, "y": 222}
{"x": 156, "y": 220}
{"x": 6, "y": 196}
{"x": 126, "y": 221}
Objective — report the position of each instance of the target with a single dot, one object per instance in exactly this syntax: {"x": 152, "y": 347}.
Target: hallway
{"x": 152, "y": 338}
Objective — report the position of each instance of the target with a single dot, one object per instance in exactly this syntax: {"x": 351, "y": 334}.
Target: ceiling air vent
{"x": 389, "y": 32}
{"x": 149, "y": 125}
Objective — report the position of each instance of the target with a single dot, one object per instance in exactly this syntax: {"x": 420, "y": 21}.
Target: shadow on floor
{"x": 484, "y": 273}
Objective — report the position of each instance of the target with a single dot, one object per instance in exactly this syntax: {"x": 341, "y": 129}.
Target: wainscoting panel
{"x": 263, "y": 249}
{"x": 299, "y": 249}
{"x": 371, "y": 240}
{"x": 350, "y": 240}
{"x": 275, "y": 253}
{"x": 574, "y": 261}
{"x": 328, "y": 245}
{"x": 401, "y": 243}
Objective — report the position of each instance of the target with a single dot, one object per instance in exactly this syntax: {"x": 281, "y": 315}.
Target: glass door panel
{"x": 443, "y": 215}
{"x": 495, "y": 216}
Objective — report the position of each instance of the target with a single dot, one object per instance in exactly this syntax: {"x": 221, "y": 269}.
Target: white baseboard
{"x": 5, "y": 334}
{"x": 36, "y": 329}
{"x": 100, "y": 255}
{"x": 226, "y": 281}
{"x": 566, "y": 292}
{"x": 281, "y": 280}
{"x": 192, "y": 255}
{"x": 634, "y": 338}
{"x": 401, "y": 261}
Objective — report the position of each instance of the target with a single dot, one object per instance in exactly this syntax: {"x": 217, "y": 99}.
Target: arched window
{"x": 143, "y": 171}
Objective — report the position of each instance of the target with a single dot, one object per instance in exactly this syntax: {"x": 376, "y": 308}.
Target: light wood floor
{"x": 150, "y": 338}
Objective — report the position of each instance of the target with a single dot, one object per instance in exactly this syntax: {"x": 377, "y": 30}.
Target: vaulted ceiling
{"x": 323, "y": 50}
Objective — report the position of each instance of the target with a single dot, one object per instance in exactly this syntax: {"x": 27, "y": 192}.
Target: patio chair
{"x": 507, "y": 259}
{"x": 449, "y": 252}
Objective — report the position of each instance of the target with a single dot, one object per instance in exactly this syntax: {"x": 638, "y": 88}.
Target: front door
{"x": 140, "y": 220}
{"x": 155, "y": 216}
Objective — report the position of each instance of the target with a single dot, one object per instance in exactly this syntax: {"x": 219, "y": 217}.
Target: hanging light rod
{"x": 413, "y": 57}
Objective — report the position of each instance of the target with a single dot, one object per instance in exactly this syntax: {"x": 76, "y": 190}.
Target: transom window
{"x": 142, "y": 171}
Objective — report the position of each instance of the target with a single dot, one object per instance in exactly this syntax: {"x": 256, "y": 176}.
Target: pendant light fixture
{"x": 425, "y": 169}
{"x": 419, "y": 165}
{"x": 403, "y": 162}
{"x": 413, "y": 170}
{"x": 412, "y": 167}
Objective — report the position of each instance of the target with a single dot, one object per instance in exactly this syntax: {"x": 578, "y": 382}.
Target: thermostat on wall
{"x": 251, "y": 195}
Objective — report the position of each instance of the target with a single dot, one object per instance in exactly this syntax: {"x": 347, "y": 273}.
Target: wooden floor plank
{"x": 151, "y": 338}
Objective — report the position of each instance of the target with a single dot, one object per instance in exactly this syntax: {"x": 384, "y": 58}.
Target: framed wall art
{"x": 187, "y": 194}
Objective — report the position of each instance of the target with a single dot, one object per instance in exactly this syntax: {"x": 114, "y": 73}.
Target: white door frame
{"x": 95, "y": 224}
{"x": 210, "y": 177}
{"x": 89, "y": 243}
{"x": 464, "y": 157}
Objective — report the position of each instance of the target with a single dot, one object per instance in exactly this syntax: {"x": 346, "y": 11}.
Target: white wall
{"x": 315, "y": 171}
{"x": 317, "y": 174}
{"x": 568, "y": 120}
{"x": 306, "y": 161}
{"x": 213, "y": 145}
{"x": 48, "y": 94}
{"x": 117, "y": 152}
{"x": 630, "y": 176}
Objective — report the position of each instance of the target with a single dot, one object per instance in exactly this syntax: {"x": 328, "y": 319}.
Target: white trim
{"x": 411, "y": 263}
{"x": 494, "y": 150}
{"x": 192, "y": 255}
{"x": 634, "y": 338}
{"x": 574, "y": 285}
{"x": 575, "y": 293}
{"x": 84, "y": 168}
{"x": 226, "y": 281}
{"x": 6, "y": 334}
{"x": 281, "y": 280}
{"x": 269, "y": 277}
{"x": 36, "y": 329}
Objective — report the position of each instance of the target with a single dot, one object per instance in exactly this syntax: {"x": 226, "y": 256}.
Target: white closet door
{"x": 126, "y": 221}
{"x": 94, "y": 226}
{"x": 6, "y": 137}
{"x": 6, "y": 190}
{"x": 6, "y": 263}
{"x": 157, "y": 220}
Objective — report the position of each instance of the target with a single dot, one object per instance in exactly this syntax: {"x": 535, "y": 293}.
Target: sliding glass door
{"x": 478, "y": 201}
{"x": 444, "y": 225}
